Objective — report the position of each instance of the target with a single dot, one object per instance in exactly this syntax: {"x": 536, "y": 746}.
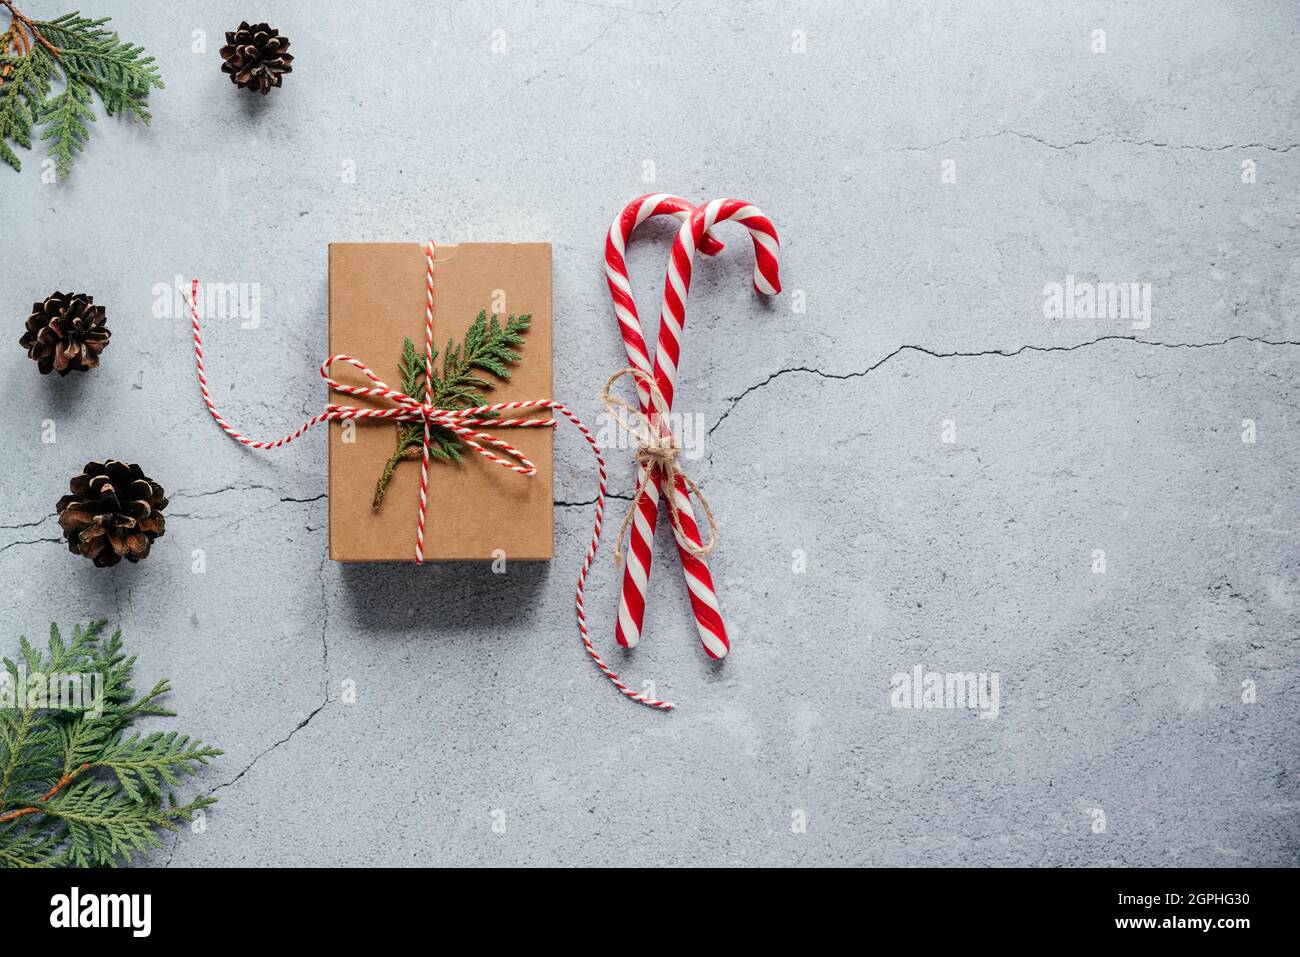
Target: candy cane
{"x": 693, "y": 236}
{"x": 636, "y": 572}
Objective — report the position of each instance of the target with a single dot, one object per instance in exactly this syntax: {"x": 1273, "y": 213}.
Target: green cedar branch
{"x": 88, "y": 60}
{"x": 488, "y": 346}
{"x": 79, "y": 787}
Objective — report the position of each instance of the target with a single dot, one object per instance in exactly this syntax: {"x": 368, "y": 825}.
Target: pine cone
{"x": 65, "y": 332}
{"x": 254, "y": 57}
{"x": 114, "y": 512}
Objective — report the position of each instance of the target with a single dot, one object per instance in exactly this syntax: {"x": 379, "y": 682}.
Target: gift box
{"x": 476, "y": 510}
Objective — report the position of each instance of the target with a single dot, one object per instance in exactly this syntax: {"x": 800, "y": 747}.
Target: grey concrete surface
{"x": 1147, "y": 713}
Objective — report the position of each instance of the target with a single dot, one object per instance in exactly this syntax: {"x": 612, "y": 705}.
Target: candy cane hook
{"x": 620, "y": 287}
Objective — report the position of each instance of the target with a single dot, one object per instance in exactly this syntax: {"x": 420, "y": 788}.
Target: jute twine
{"x": 658, "y": 454}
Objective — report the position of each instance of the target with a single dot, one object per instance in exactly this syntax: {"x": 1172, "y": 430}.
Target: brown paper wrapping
{"x": 376, "y": 298}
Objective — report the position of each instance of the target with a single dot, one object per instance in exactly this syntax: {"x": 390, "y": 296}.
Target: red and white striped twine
{"x": 459, "y": 421}
{"x": 693, "y": 236}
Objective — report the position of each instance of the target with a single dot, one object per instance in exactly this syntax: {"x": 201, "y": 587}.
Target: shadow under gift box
{"x": 476, "y": 507}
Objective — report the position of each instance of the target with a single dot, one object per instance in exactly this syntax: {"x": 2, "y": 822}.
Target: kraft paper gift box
{"x": 477, "y": 509}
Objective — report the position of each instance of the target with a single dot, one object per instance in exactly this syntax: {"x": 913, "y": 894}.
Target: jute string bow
{"x": 657, "y": 452}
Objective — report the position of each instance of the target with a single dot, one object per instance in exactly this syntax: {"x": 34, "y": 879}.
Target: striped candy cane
{"x": 691, "y": 237}
{"x": 636, "y": 571}
{"x": 694, "y": 236}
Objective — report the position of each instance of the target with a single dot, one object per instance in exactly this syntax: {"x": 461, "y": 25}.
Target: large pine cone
{"x": 114, "y": 512}
{"x": 65, "y": 332}
{"x": 254, "y": 57}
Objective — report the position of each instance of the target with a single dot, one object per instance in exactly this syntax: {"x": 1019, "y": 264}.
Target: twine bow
{"x": 657, "y": 453}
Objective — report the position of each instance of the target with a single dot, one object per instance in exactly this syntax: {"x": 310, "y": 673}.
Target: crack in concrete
{"x": 325, "y": 675}
{"x": 39, "y": 521}
{"x": 224, "y": 488}
{"x": 248, "y": 767}
{"x": 34, "y": 541}
{"x": 591, "y": 501}
{"x": 569, "y": 59}
{"x": 661, "y": 14}
{"x": 325, "y": 678}
{"x": 175, "y": 841}
{"x": 1089, "y": 142}
{"x": 242, "y": 488}
{"x": 246, "y": 515}
{"x": 1001, "y": 353}
{"x": 324, "y": 628}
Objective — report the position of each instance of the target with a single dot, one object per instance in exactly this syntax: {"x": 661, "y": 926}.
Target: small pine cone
{"x": 254, "y": 57}
{"x": 114, "y": 512}
{"x": 65, "y": 332}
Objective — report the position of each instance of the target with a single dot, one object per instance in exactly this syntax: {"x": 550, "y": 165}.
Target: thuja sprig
{"x": 78, "y": 787}
{"x": 88, "y": 60}
{"x": 488, "y": 347}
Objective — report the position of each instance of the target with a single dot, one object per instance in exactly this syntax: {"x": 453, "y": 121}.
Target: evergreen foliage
{"x": 79, "y": 787}
{"x": 87, "y": 60}
{"x": 488, "y": 347}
